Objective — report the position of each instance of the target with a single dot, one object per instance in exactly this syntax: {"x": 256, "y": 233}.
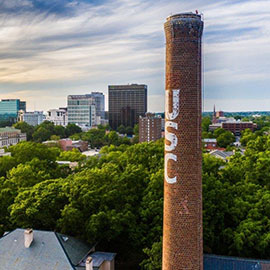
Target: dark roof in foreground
{"x": 48, "y": 251}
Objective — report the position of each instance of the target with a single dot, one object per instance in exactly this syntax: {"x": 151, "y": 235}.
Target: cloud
{"x": 67, "y": 46}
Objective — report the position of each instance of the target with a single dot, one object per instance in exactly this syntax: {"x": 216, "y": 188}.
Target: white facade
{"x": 11, "y": 136}
{"x": 33, "y": 118}
{"x": 58, "y": 116}
{"x": 82, "y": 111}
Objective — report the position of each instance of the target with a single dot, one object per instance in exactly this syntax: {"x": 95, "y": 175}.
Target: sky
{"x": 52, "y": 48}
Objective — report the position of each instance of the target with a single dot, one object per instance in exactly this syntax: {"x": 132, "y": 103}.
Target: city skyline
{"x": 53, "y": 49}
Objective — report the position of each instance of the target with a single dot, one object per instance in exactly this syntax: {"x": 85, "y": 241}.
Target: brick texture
{"x": 182, "y": 228}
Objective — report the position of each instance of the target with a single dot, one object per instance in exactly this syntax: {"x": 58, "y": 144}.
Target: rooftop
{"x": 9, "y": 129}
{"x": 49, "y": 250}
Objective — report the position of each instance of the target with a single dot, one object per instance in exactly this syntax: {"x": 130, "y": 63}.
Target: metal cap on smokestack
{"x": 28, "y": 237}
{"x": 89, "y": 263}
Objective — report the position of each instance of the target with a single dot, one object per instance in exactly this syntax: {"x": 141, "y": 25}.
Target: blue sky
{"x": 50, "y": 49}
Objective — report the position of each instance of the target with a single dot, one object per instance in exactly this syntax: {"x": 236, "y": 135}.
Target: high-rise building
{"x": 126, "y": 104}
{"x": 99, "y": 100}
{"x": 182, "y": 222}
{"x": 58, "y": 116}
{"x": 33, "y": 118}
{"x": 149, "y": 128}
{"x": 22, "y": 106}
{"x": 9, "y": 109}
{"x": 82, "y": 110}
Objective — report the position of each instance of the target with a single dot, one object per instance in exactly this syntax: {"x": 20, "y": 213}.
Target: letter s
{"x": 172, "y": 138}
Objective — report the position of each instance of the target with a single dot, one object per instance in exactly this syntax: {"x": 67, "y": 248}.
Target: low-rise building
{"x": 215, "y": 126}
{"x": 3, "y": 153}
{"x": 58, "y": 116}
{"x": 33, "y": 118}
{"x": 236, "y": 127}
{"x": 47, "y": 250}
{"x": 210, "y": 143}
{"x": 149, "y": 127}
{"x": 11, "y": 136}
{"x": 224, "y": 155}
{"x": 68, "y": 145}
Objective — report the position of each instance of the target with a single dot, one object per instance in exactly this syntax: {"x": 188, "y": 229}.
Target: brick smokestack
{"x": 182, "y": 227}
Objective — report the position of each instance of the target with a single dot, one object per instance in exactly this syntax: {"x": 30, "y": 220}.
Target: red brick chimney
{"x": 182, "y": 227}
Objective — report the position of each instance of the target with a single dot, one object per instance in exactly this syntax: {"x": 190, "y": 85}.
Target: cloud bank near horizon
{"x": 49, "y": 49}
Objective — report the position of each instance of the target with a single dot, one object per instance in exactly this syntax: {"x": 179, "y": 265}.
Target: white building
{"x": 3, "y": 153}
{"x": 11, "y": 136}
{"x": 33, "y": 118}
{"x": 82, "y": 111}
{"x": 58, "y": 116}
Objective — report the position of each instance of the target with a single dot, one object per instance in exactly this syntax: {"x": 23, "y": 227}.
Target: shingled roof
{"x": 49, "y": 251}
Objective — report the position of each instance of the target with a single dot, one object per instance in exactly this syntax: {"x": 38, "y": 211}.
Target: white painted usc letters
{"x": 169, "y": 136}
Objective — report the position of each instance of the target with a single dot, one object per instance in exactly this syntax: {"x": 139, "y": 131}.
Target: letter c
{"x": 168, "y": 179}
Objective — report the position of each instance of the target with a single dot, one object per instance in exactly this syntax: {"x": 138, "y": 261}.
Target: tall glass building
{"x": 9, "y": 109}
{"x": 81, "y": 110}
{"x": 126, "y": 104}
{"x": 99, "y": 100}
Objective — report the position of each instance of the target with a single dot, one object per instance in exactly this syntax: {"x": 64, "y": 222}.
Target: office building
{"x": 236, "y": 127}
{"x": 33, "y": 118}
{"x": 99, "y": 101}
{"x": 9, "y": 109}
{"x": 22, "y": 106}
{"x": 11, "y": 136}
{"x": 149, "y": 128}
{"x": 182, "y": 219}
{"x": 82, "y": 110}
{"x": 126, "y": 104}
{"x": 58, "y": 116}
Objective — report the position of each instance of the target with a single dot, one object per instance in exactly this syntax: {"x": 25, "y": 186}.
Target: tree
{"x": 55, "y": 138}
{"x": 206, "y": 121}
{"x": 121, "y": 129}
{"x": 246, "y": 136}
{"x": 48, "y": 125}
{"x": 136, "y": 129}
{"x": 225, "y": 139}
{"x": 26, "y": 151}
{"x": 217, "y": 132}
{"x": 25, "y": 128}
{"x": 74, "y": 155}
{"x": 6, "y": 164}
{"x": 41, "y": 134}
{"x": 72, "y": 129}
{"x": 39, "y": 207}
{"x": 112, "y": 138}
{"x": 154, "y": 257}
{"x": 60, "y": 131}
{"x": 129, "y": 131}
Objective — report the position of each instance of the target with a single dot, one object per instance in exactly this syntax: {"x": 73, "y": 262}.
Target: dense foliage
{"x": 96, "y": 137}
{"x": 47, "y": 130}
{"x": 116, "y": 199}
{"x": 224, "y": 138}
